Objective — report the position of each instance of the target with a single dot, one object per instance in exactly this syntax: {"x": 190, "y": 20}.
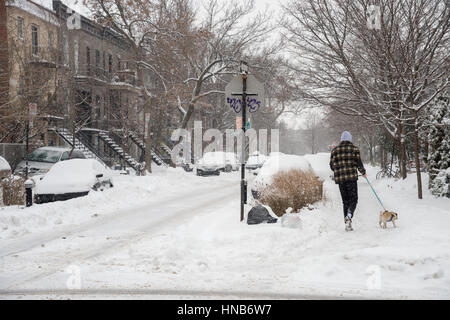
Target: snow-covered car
{"x": 231, "y": 162}
{"x": 5, "y": 168}
{"x": 255, "y": 161}
{"x": 212, "y": 163}
{"x": 71, "y": 179}
{"x": 42, "y": 159}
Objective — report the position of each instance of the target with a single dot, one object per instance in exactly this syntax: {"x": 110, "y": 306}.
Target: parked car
{"x": 231, "y": 162}
{"x": 71, "y": 179}
{"x": 5, "y": 168}
{"x": 255, "y": 161}
{"x": 212, "y": 163}
{"x": 42, "y": 159}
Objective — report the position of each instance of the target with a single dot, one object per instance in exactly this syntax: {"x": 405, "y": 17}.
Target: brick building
{"x": 83, "y": 76}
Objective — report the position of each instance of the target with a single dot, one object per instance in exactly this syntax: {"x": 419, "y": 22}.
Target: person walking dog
{"x": 345, "y": 162}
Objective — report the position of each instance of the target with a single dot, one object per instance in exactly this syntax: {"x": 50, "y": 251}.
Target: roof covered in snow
{"x": 43, "y": 12}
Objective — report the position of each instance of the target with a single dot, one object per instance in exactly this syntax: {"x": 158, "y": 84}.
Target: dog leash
{"x": 376, "y": 194}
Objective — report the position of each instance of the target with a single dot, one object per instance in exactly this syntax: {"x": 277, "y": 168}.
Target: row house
{"x": 82, "y": 76}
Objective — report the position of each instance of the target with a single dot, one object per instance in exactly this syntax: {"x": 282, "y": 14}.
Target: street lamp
{"x": 244, "y": 67}
{"x": 244, "y": 72}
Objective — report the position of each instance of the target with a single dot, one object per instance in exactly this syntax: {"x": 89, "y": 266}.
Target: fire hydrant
{"x": 29, "y": 192}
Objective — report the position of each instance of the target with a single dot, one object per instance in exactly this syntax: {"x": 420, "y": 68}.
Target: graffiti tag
{"x": 236, "y": 104}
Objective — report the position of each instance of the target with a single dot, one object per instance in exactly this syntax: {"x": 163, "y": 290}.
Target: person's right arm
{"x": 331, "y": 161}
{"x": 359, "y": 163}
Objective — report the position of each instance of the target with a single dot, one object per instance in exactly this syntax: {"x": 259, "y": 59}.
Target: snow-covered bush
{"x": 13, "y": 190}
{"x": 278, "y": 162}
{"x": 294, "y": 189}
{"x": 440, "y": 186}
{"x": 439, "y": 140}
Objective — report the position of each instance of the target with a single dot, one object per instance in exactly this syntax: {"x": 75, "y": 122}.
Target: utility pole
{"x": 244, "y": 72}
{"x": 32, "y": 112}
{"x": 237, "y": 100}
{"x": 27, "y": 149}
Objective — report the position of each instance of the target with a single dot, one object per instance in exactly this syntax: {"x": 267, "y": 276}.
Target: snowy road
{"x": 110, "y": 233}
{"x": 175, "y": 235}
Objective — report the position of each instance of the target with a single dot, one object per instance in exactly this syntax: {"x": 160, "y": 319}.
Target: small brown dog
{"x": 387, "y": 216}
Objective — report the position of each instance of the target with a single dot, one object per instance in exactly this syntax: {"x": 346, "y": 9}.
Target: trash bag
{"x": 259, "y": 214}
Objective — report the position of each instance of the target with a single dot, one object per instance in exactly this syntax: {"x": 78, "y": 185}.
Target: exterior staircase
{"x": 119, "y": 151}
{"x": 160, "y": 161}
{"x": 67, "y": 136}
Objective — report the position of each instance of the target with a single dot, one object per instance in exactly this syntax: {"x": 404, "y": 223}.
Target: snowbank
{"x": 276, "y": 162}
{"x": 128, "y": 192}
{"x": 71, "y": 176}
{"x": 314, "y": 256}
{"x": 209, "y": 249}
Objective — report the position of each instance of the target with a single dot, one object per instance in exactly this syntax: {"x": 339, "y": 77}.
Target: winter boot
{"x": 348, "y": 224}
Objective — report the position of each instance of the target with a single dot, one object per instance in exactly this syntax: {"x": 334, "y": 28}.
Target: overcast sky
{"x": 78, "y": 6}
{"x": 271, "y": 5}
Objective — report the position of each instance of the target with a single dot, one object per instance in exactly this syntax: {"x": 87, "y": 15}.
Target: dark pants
{"x": 349, "y": 194}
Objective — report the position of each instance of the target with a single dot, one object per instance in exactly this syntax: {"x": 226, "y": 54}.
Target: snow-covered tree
{"x": 439, "y": 140}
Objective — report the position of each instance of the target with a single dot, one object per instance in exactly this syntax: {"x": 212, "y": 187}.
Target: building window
{"x": 88, "y": 60}
{"x": 104, "y": 62}
{"x": 97, "y": 107}
{"x": 66, "y": 50}
{"x": 118, "y": 63}
{"x": 51, "y": 39}
{"x": 75, "y": 55}
{"x": 21, "y": 87}
{"x": 35, "y": 40}
{"x": 20, "y": 27}
{"x": 97, "y": 62}
{"x": 110, "y": 63}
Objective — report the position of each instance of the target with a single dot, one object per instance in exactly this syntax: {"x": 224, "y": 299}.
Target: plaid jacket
{"x": 345, "y": 162}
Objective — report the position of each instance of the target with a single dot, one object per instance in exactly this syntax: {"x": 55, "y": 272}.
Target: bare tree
{"x": 139, "y": 23}
{"x": 386, "y": 75}
{"x": 217, "y": 45}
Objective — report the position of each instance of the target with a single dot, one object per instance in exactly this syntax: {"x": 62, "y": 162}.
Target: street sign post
{"x": 32, "y": 112}
{"x": 243, "y": 92}
{"x": 255, "y": 94}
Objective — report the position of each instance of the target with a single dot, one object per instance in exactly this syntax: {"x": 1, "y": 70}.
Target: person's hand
{"x": 364, "y": 176}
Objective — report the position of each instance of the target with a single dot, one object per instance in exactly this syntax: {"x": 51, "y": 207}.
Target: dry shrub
{"x": 13, "y": 189}
{"x": 294, "y": 189}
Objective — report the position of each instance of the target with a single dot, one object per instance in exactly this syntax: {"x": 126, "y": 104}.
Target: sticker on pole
{"x": 255, "y": 92}
{"x": 32, "y": 112}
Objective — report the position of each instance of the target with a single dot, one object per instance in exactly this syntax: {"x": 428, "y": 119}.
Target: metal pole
{"x": 244, "y": 124}
{"x": 26, "y": 152}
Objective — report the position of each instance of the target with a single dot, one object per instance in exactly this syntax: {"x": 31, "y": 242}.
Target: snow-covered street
{"x": 176, "y": 235}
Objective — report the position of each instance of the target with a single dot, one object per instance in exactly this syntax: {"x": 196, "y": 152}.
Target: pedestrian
{"x": 345, "y": 162}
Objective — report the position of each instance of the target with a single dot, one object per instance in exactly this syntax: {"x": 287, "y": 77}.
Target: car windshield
{"x": 42, "y": 155}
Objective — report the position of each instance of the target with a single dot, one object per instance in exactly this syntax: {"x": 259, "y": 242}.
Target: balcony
{"x": 124, "y": 80}
{"x": 42, "y": 56}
